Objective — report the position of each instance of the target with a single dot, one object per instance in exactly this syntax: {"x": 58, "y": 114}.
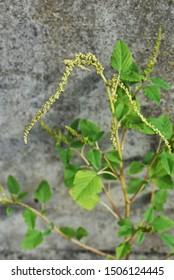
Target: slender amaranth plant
{"x": 86, "y": 182}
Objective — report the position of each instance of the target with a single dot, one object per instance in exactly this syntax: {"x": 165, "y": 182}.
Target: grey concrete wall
{"x": 35, "y": 37}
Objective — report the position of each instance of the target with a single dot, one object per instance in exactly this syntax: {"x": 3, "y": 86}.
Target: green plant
{"x": 87, "y": 180}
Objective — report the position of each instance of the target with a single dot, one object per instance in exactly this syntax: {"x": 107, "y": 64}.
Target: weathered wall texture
{"x": 35, "y": 37}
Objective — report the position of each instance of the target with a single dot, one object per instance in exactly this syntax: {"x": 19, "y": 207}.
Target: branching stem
{"x": 59, "y": 232}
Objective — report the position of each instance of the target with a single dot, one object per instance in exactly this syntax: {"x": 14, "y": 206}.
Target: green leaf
{"x": 133, "y": 67}
{"x": 153, "y": 93}
{"x": 148, "y": 158}
{"x": 13, "y": 185}
{"x": 113, "y": 156}
{"x": 159, "y": 199}
{"x": 75, "y": 124}
{"x": 131, "y": 76}
{"x": 165, "y": 182}
{"x": 160, "y": 83}
{"x": 126, "y": 228}
{"x": 81, "y": 232}
{"x": 22, "y": 195}
{"x": 98, "y": 135}
{"x": 75, "y": 144}
{"x": 163, "y": 124}
{"x": 89, "y": 129}
{"x": 121, "y": 58}
{"x": 9, "y": 211}
{"x": 94, "y": 157}
{"x": 123, "y": 249}
{"x": 149, "y": 215}
{"x": 46, "y": 232}
{"x": 43, "y": 192}
{"x": 65, "y": 155}
{"x": 89, "y": 202}
{"x": 167, "y": 160}
{"x": 167, "y": 239}
{"x": 140, "y": 238}
{"x": 70, "y": 232}
{"x": 121, "y": 110}
{"x": 161, "y": 223}
{"x": 135, "y": 167}
{"x": 157, "y": 170}
{"x": 134, "y": 185}
{"x": 69, "y": 175}
{"x": 87, "y": 184}
{"x": 33, "y": 238}
{"x": 30, "y": 218}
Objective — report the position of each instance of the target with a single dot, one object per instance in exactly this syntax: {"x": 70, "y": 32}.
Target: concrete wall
{"x": 36, "y": 36}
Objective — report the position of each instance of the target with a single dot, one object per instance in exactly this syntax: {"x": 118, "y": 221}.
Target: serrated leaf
{"x": 30, "y": 218}
{"x": 135, "y": 167}
{"x": 89, "y": 129}
{"x": 163, "y": 124}
{"x": 131, "y": 76}
{"x": 87, "y": 184}
{"x": 149, "y": 215}
{"x": 13, "y": 185}
{"x": 161, "y": 223}
{"x": 123, "y": 249}
{"x": 89, "y": 202}
{"x": 121, "y": 58}
{"x": 160, "y": 83}
{"x": 157, "y": 170}
{"x": 33, "y": 238}
{"x": 94, "y": 157}
{"x": 70, "y": 232}
{"x": 81, "y": 232}
{"x": 113, "y": 156}
{"x": 126, "y": 228}
{"x": 167, "y": 239}
{"x": 134, "y": 185}
{"x": 43, "y": 192}
{"x": 165, "y": 182}
{"x": 159, "y": 200}
{"x": 98, "y": 135}
{"x": 140, "y": 238}
{"x": 153, "y": 93}
{"x": 65, "y": 155}
{"x": 9, "y": 211}
{"x": 69, "y": 175}
{"x": 167, "y": 160}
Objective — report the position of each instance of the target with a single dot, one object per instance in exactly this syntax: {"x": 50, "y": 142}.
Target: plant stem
{"x": 112, "y": 203}
{"x": 110, "y": 166}
{"x": 153, "y": 193}
{"x": 58, "y": 231}
{"x": 107, "y": 172}
{"x": 123, "y": 184}
{"x": 147, "y": 173}
{"x": 122, "y": 139}
{"x": 110, "y": 210}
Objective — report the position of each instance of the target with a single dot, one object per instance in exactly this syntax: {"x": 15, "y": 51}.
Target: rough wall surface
{"x": 35, "y": 37}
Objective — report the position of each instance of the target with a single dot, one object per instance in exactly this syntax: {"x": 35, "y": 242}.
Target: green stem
{"x": 58, "y": 231}
{"x": 147, "y": 173}
{"x": 108, "y": 195}
{"x": 110, "y": 210}
{"x": 124, "y": 188}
